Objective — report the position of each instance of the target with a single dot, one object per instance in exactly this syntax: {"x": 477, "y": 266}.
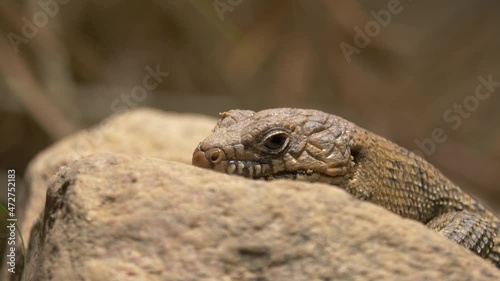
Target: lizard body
{"x": 315, "y": 146}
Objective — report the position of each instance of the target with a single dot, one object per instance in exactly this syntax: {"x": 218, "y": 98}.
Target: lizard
{"x": 314, "y": 146}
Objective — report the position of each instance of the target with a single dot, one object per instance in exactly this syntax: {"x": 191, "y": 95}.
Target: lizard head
{"x": 279, "y": 143}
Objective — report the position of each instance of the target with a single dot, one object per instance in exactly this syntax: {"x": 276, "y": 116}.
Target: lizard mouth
{"x": 215, "y": 159}
{"x": 249, "y": 169}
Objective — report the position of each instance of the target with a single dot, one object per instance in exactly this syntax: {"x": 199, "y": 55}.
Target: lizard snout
{"x": 207, "y": 159}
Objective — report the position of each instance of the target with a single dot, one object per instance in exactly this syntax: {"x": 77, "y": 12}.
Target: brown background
{"x": 256, "y": 55}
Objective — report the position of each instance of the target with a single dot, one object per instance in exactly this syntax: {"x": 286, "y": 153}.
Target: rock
{"x": 144, "y": 132}
{"x": 117, "y": 217}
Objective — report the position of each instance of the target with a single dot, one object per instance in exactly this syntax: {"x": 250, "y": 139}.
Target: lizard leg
{"x": 467, "y": 229}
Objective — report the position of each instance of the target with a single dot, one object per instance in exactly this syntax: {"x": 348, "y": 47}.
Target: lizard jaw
{"x": 215, "y": 159}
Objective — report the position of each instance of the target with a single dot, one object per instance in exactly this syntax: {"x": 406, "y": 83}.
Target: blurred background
{"x": 402, "y": 69}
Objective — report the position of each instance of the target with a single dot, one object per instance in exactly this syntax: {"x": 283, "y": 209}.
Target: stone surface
{"x": 146, "y": 132}
{"x": 116, "y": 217}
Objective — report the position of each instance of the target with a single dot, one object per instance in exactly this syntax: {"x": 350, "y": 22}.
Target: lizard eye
{"x": 276, "y": 141}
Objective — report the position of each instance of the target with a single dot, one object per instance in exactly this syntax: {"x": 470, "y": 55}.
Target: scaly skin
{"x": 315, "y": 146}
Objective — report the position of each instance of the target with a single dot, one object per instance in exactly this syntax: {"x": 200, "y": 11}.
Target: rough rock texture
{"x": 146, "y": 132}
{"x": 112, "y": 217}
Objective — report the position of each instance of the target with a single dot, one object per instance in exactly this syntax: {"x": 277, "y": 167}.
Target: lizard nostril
{"x": 208, "y": 159}
{"x": 214, "y": 155}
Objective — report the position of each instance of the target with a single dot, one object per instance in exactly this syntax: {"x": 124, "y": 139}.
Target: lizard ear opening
{"x": 356, "y": 155}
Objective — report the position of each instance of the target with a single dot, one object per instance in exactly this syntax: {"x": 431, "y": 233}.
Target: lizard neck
{"x": 384, "y": 170}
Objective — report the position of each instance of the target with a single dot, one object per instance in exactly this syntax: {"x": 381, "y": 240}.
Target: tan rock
{"x": 111, "y": 217}
{"x": 146, "y": 132}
